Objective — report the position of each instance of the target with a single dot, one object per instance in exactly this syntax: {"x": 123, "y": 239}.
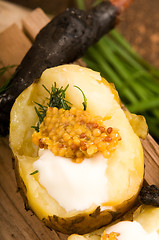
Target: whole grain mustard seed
{"x": 75, "y": 134}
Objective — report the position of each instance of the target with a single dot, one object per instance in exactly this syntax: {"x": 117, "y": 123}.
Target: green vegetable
{"x": 56, "y": 99}
{"x": 85, "y": 99}
{"x": 80, "y": 4}
{"x": 36, "y": 171}
{"x": 136, "y": 81}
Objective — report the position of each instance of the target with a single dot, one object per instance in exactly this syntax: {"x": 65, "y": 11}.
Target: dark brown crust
{"x": 81, "y": 223}
{"x": 150, "y": 195}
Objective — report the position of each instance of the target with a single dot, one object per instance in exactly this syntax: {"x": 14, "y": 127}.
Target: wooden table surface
{"x": 15, "y": 222}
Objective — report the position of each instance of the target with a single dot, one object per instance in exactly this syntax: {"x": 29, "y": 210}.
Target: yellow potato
{"x": 138, "y": 123}
{"x": 146, "y": 216}
{"x": 125, "y": 166}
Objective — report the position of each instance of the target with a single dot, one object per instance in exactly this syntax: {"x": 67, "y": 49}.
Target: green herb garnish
{"x": 36, "y": 171}
{"x": 85, "y": 99}
{"x": 41, "y": 112}
{"x": 56, "y": 99}
{"x": 3, "y": 70}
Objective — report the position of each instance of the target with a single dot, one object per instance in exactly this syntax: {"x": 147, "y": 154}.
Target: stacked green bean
{"x": 136, "y": 81}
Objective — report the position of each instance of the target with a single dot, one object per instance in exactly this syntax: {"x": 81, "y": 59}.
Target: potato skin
{"x": 84, "y": 221}
{"x": 20, "y": 183}
{"x": 146, "y": 216}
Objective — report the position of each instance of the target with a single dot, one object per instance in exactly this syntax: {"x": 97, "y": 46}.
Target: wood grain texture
{"x": 151, "y": 157}
{"x": 15, "y": 222}
{"x": 11, "y": 13}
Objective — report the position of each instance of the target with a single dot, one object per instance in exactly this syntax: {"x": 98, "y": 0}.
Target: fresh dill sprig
{"x": 85, "y": 99}
{"x": 36, "y": 171}
{"x": 56, "y": 99}
{"x": 41, "y": 112}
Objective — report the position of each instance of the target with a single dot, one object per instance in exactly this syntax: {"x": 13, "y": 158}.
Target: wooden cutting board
{"x": 15, "y": 222}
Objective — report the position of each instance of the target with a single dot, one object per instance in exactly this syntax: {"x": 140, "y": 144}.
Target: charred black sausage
{"x": 61, "y": 41}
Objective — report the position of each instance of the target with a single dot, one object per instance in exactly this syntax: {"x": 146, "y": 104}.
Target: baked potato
{"x": 68, "y": 196}
{"x": 142, "y": 224}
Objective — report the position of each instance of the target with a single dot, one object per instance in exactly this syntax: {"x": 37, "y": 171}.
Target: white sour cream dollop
{"x": 75, "y": 186}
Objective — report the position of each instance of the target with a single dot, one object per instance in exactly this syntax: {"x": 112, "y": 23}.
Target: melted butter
{"x": 74, "y": 186}
{"x": 131, "y": 231}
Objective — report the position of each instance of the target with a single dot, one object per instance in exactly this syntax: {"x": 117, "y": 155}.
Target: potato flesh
{"x": 148, "y": 217}
{"x": 38, "y": 198}
{"x": 138, "y": 124}
{"x": 125, "y": 166}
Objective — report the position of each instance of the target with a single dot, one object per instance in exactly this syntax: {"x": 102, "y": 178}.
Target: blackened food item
{"x": 63, "y": 40}
{"x": 150, "y": 195}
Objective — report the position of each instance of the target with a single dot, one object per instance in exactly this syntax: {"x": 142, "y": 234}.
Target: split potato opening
{"x": 123, "y": 170}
